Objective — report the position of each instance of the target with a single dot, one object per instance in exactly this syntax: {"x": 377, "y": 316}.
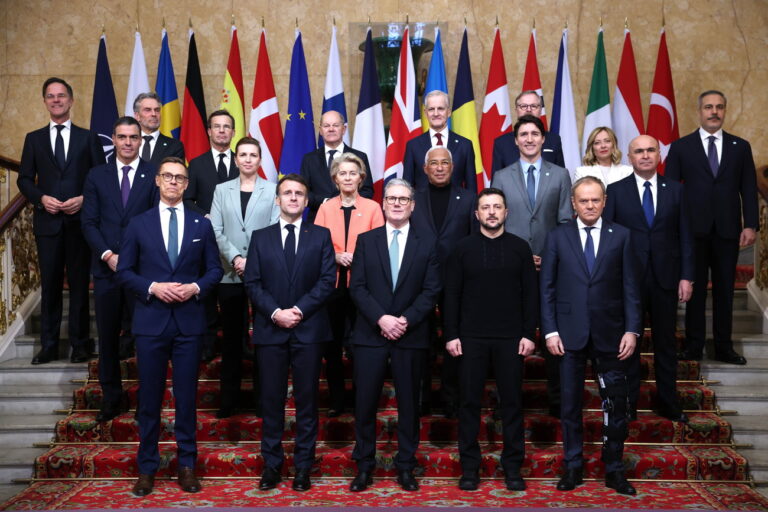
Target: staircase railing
{"x": 19, "y": 272}
{"x": 758, "y": 287}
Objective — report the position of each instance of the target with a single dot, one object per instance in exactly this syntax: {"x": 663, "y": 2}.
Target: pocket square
{"x": 547, "y": 150}
{"x": 196, "y": 240}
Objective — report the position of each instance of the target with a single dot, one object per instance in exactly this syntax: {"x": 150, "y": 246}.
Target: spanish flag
{"x": 232, "y": 93}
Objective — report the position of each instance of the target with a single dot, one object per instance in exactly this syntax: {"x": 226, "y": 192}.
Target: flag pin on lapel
{"x": 141, "y": 175}
{"x": 458, "y": 197}
{"x": 196, "y": 221}
{"x": 663, "y": 184}
{"x": 610, "y": 230}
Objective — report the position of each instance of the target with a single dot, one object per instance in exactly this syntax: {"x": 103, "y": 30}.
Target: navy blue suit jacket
{"x": 165, "y": 147}
{"x": 39, "y": 173}
{"x": 270, "y": 287}
{"x": 579, "y": 306}
{"x": 314, "y": 169}
{"x": 716, "y": 202}
{"x": 667, "y": 245}
{"x": 506, "y": 152}
{"x": 144, "y": 260}
{"x": 370, "y": 285}
{"x": 104, "y": 218}
{"x": 203, "y": 178}
{"x": 463, "y": 155}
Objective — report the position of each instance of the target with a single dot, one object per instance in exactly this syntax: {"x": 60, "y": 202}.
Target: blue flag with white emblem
{"x": 104, "y": 106}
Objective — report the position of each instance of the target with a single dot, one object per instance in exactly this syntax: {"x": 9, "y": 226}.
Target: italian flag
{"x": 599, "y": 105}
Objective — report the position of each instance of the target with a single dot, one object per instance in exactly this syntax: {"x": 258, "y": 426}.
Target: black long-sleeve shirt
{"x": 491, "y": 289}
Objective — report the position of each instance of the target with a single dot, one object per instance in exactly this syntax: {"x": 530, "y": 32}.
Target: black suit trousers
{"x": 111, "y": 301}
{"x": 66, "y": 249}
{"x": 342, "y": 312}
{"x": 233, "y": 302}
{"x": 369, "y": 371}
{"x": 719, "y": 255}
{"x": 478, "y": 353}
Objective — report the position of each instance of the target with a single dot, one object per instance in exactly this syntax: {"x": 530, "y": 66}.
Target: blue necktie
{"x": 290, "y": 247}
{"x": 589, "y": 250}
{"x": 531, "y": 186}
{"x": 173, "y": 238}
{"x": 648, "y": 203}
{"x": 394, "y": 257}
{"x": 712, "y": 155}
{"x": 58, "y": 150}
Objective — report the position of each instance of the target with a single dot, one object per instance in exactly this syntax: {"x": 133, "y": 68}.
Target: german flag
{"x": 194, "y": 133}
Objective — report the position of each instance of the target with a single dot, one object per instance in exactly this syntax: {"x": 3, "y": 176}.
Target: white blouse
{"x": 607, "y": 175}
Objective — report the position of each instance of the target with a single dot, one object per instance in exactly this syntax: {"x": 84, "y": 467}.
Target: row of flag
{"x": 282, "y": 154}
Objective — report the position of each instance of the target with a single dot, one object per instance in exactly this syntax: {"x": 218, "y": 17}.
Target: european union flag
{"x": 299, "y": 123}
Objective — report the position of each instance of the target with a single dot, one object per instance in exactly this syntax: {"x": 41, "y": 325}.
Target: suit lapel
{"x": 606, "y": 245}
{"x": 631, "y": 194}
{"x": 250, "y": 209}
{"x": 662, "y": 199}
{"x": 545, "y": 182}
{"x": 453, "y": 202}
{"x": 519, "y": 185}
{"x": 141, "y": 180}
{"x": 727, "y": 154}
{"x": 190, "y": 233}
{"x": 411, "y": 246}
{"x": 277, "y": 245}
{"x": 304, "y": 242}
{"x": 574, "y": 240}
{"x": 382, "y": 245}
{"x": 45, "y": 142}
{"x": 75, "y": 141}
{"x": 113, "y": 186}
{"x": 430, "y": 219}
{"x": 156, "y": 231}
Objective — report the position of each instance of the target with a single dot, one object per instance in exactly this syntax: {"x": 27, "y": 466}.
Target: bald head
{"x": 644, "y": 155}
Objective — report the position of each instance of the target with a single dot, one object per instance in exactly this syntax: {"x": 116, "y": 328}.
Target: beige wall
{"x": 713, "y": 44}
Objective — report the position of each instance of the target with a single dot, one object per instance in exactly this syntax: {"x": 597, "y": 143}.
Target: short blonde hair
{"x": 351, "y": 158}
{"x": 589, "y": 154}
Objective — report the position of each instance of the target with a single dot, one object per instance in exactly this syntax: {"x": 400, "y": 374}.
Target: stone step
{"x": 750, "y": 345}
{"x": 18, "y": 463}
{"x": 8, "y": 491}
{"x": 747, "y": 400}
{"x": 740, "y": 301}
{"x": 27, "y": 429}
{"x": 743, "y": 321}
{"x": 754, "y": 373}
{"x": 751, "y": 430}
{"x": 758, "y": 466}
{"x": 39, "y": 399}
{"x": 19, "y": 371}
{"x": 27, "y": 346}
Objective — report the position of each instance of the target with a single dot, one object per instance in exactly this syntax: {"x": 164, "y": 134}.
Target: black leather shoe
{"x": 689, "y": 355}
{"x": 301, "y": 481}
{"x": 570, "y": 479}
{"x": 674, "y": 415}
{"x": 144, "y": 485}
{"x": 187, "y": 480}
{"x": 45, "y": 355}
{"x": 615, "y": 480}
{"x": 406, "y": 480}
{"x": 361, "y": 482}
{"x": 108, "y": 412}
{"x": 514, "y": 482}
{"x": 469, "y": 481}
{"x": 270, "y": 477}
{"x": 79, "y": 355}
{"x": 730, "y": 357}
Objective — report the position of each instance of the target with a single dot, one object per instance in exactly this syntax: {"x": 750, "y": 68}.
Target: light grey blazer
{"x": 233, "y": 234}
{"x": 552, "y": 206}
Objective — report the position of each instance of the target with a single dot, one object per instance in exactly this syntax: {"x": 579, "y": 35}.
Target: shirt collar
{"x": 155, "y": 134}
{"x": 67, "y": 124}
{"x": 284, "y": 223}
{"x": 704, "y": 134}
{"x": 641, "y": 181}
{"x": 164, "y": 206}
{"x": 338, "y": 149}
{"x": 216, "y": 153}
{"x": 525, "y": 165}
{"x": 443, "y": 132}
{"x": 403, "y": 230}
{"x": 597, "y": 225}
{"x": 133, "y": 165}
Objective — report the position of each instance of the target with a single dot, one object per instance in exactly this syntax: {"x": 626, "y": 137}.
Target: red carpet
{"x": 385, "y": 493}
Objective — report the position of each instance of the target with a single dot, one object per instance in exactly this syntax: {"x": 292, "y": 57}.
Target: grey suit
{"x": 552, "y": 205}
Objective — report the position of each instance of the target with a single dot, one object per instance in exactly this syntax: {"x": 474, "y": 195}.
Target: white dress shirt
{"x": 654, "y": 188}
{"x": 704, "y": 134}
{"x": 227, "y": 158}
{"x": 284, "y": 232}
{"x": 607, "y": 175}
{"x": 401, "y": 239}
{"x": 598, "y": 226}
{"x": 152, "y": 143}
{"x": 443, "y": 133}
{"x": 64, "y": 135}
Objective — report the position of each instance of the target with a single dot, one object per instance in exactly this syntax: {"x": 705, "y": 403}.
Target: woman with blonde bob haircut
{"x": 346, "y": 216}
{"x": 603, "y": 158}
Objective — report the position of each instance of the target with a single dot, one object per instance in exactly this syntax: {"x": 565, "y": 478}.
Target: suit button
{"x": 243, "y": 230}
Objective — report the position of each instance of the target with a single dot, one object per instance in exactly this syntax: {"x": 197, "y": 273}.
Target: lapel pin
{"x": 610, "y": 230}
{"x": 663, "y": 184}
{"x": 359, "y": 214}
{"x": 733, "y": 142}
{"x": 141, "y": 175}
{"x": 196, "y": 221}
{"x": 546, "y": 174}
{"x": 458, "y": 197}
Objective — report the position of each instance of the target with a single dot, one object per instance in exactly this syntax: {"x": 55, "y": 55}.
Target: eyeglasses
{"x": 532, "y": 106}
{"x": 395, "y": 199}
{"x": 178, "y": 178}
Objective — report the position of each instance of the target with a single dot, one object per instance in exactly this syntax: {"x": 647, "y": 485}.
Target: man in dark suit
{"x": 590, "y": 308}
{"x": 168, "y": 261}
{"x": 205, "y": 172}
{"x": 290, "y": 272}
{"x": 505, "y": 151}
{"x": 113, "y": 194}
{"x": 718, "y": 173}
{"x": 438, "y": 110}
{"x": 653, "y": 208}
{"x": 316, "y": 165}
{"x": 155, "y": 146}
{"x": 446, "y": 212}
{"x": 395, "y": 280}
{"x": 54, "y": 163}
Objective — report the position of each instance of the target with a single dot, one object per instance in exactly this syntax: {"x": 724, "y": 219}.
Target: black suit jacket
{"x": 506, "y": 152}
{"x": 716, "y": 203}
{"x": 667, "y": 245}
{"x": 39, "y": 173}
{"x": 203, "y": 178}
{"x": 462, "y": 152}
{"x": 459, "y": 220}
{"x": 414, "y": 297}
{"x": 166, "y": 146}
{"x": 314, "y": 169}
{"x": 104, "y": 218}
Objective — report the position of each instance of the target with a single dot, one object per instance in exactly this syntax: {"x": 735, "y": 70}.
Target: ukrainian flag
{"x": 170, "y": 115}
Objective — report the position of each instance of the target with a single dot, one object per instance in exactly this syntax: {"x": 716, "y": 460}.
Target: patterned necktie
{"x": 290, "y": 247}
{"x": 439, "y": 137}
{"x": 712, "y": 155}
{"x": 222, "y": 169}
{"x": 330, "y": 157}
{"x": 146, "y": 151}
{"x": 58, "y": 152}
{"x": 531, "y": 186}
{"x": 648, "y": 203}
{"x": 589, "y": 250}
{"x": 125, "y": 185}
{"x": 394, "y": 257}
{"x": 173, "y": 238}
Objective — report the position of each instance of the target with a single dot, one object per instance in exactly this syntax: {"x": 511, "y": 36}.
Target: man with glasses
{"x": 316, "y": 165}
{"x": 438, "y": 110}
{"x": 394, "y": 283}
{"x": 169, "y": 261}
{"x": 505, "y": 151}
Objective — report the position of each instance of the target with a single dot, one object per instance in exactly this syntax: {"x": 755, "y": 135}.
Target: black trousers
{"x": 110, "y": 301}
{"x": 233, "y": 302}
{"x": 719, "y": 255}
{"x": 67, "y": 249}
{"x": 342, "y": 312}
{"x": 661, "y": 305}
{"x": 502, "y": 353}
